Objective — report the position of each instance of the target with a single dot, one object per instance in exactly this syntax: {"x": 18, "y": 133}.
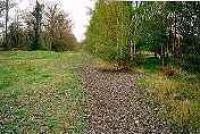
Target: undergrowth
{"x": 178, "y": 94}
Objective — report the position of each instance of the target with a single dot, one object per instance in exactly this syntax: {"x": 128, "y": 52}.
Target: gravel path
{"x": 116, "y": 105}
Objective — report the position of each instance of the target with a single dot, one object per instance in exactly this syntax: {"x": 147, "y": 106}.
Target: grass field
{"x": 178, "y": 94}
{"x": 40, "y": 92}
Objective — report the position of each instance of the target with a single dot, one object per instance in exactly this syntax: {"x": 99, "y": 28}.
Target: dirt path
{"x": 117, "y": 106}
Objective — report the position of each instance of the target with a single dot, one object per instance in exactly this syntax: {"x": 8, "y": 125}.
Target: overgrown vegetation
{"x": 120, "y": 30}
{"x": 40, "y": 92}
{"x": 123, "y": 31}
{"x": 177, "y": 94}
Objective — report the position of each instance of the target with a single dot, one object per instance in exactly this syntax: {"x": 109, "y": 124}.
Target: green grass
{"x": 41, "y": 92}
{"x": 150, "y": 65}
{"x": 178, "y": 94}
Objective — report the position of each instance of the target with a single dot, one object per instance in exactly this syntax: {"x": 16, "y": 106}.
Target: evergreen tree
{"x": 37, "y": 13}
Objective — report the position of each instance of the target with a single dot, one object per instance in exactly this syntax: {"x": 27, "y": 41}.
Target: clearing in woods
{"x": 41, "y": 92}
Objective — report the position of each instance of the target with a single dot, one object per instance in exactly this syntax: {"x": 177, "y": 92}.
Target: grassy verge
{"x": 178, "y": 94}
{"x": 40, "y": 92}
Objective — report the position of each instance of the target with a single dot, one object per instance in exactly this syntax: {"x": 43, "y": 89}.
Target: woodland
{"x": 43, "y": 28}
{"x": 137, "y": 71}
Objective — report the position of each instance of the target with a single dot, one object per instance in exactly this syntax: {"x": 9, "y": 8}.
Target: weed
{"x": 177, "y": 91}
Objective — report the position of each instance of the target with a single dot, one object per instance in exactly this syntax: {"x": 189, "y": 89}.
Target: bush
{"x": 168, "y": 71}
{"x": 59, "y": 45}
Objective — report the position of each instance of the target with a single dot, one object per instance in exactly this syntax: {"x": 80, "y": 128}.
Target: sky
{"x": 77, "y": 10}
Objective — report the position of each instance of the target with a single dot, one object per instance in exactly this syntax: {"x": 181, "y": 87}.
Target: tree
{"x": 58, "y": 28}
{"x": 16, "y": 37}
{"x": 170, "y": 29}
{"x": 5, "y": 6}
{"x": 149, "y": 27}
{"x": 108, "y": 34}
{"x": 37, "y": 14}
{"x": 6, "y": 21}
{"x": 188, "y": 26}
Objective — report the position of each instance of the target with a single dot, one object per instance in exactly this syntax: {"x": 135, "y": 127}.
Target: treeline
{"x": 120, "y": 31}
{"x": 44, "y": 28}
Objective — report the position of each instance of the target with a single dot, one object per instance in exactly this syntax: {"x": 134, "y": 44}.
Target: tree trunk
{"x": 6, "y": 23}
{"x": 50, "y": 43}
{"x": 134, "y": 50}
{"x": 162, "y": 55}
{"x": 37, "y": 13}
{"x": 174, "y": 48}
{"x": 117, "y": 46}
{"x": 131, "y": 50}
{"x": 17, "y": 29}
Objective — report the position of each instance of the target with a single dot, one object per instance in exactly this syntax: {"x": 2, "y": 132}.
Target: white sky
{"x": 77, "y": 9}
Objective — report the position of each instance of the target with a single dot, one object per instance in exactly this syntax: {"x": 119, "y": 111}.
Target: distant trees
{"x": 6, "y": 23}
{"x": 16, "y": 36}
{"x": 43, "y": 28}
{"x": 37, "y": 25}
{"x": 5, "y": 6}
{"x": 59, "y": 30}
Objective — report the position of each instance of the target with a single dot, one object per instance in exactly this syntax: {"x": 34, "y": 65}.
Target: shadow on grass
{"x": 150, "y": 65}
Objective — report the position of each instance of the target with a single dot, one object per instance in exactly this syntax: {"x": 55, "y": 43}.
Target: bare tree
{"x": 58, "y": 26}
{"x": 6, "y": 24}
{"x": 5, "y": 7}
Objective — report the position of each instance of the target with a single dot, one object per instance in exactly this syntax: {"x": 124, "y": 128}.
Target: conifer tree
{"x": 37, "y": 13}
